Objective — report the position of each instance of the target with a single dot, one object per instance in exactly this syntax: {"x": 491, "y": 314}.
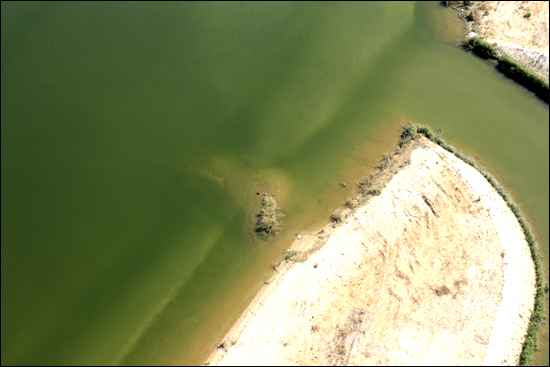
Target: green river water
{"x": 136, "y": 136}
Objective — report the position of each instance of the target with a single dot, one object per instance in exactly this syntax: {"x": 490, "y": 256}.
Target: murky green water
{"x": 136, "y": 136}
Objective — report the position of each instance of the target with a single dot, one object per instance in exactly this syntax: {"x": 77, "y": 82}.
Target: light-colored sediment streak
{"x": 434, "y": 270}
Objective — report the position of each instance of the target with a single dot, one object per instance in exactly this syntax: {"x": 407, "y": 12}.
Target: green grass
{"x": 412, "y": 132}
{"x": 528, "y": 79}
{"x": 481, "y": 48}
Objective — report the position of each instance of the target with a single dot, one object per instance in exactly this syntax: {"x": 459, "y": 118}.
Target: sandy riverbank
{"x": 434, "y": 269}
{"x": 517, "y": 29}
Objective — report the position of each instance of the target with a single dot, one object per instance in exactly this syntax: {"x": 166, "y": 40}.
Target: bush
{"x": 336, "y": 217}
{"x": 528, "y": 14}
{"x": 481, "y": 48}
{"x": 410, "y": 132}
{"x": 528, "y": 79}
{"x": 269, "y": 218}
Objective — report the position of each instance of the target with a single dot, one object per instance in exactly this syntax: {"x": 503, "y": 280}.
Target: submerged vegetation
{"x": 412, "y": 131}
{"x": 269, "y": 218}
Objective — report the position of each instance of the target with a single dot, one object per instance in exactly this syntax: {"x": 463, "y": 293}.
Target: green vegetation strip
{"x": 528, "y": 79}
{"x": 481, "y": 48}
{"x": 412, "y": 132}
{"x": 509, "y": 67}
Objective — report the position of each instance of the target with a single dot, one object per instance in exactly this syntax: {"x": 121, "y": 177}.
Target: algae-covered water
{"x": 136, "y": 138}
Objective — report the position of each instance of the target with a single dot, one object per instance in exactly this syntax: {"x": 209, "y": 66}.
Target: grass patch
{"x": 481, "y": 48}
{"x": 291, "y": 254}
{"x": 366, "y": 183}
{"x": 269, "y": 218}
{"x": 528, "y": 79}
{"x": 384, "y": 162}
{"x": 537, "y": 316}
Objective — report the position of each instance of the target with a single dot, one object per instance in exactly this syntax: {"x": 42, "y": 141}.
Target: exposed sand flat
{"x": 507, "y": 21}
{"x": 434, "y": 270}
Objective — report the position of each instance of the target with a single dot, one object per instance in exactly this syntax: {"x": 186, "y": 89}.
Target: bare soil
{"x": 427, "y": 267}
{"x": 518, "y": 29}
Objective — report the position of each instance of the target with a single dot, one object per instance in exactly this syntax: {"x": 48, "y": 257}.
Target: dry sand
{"x": 505, "y": 25}
{"x": 434, "y": 270}
{"x": 507, "y": 21}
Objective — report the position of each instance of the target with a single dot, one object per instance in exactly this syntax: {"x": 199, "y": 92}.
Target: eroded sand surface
{"x": 507, "y": 21}
{"x": 434, "y": 270}
{"x": 505, "y": 24}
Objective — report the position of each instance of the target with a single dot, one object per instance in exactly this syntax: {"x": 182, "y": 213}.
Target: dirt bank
{"x": 517, "y": 29}
{"x": 433, "y": 270}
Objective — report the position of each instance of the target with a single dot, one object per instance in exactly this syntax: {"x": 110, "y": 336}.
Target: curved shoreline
{"x": 243, "y": 344}
{"x": 537, "y": 315}
{"x": 519, "y": 274}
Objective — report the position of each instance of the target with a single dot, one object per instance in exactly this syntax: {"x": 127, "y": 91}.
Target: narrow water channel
{"x": 136, "y": 138}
